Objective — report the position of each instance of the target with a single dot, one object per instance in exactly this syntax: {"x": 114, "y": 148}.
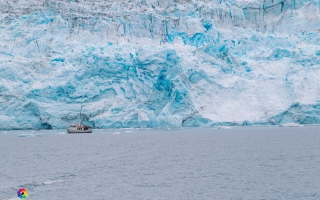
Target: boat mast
{"x": 80, "y": 116}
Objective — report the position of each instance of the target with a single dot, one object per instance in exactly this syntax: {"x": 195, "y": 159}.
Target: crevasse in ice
{"x": 159, "y": 63}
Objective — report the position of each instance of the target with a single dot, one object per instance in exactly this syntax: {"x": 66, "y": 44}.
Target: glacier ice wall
{"x": 159, "y": 63}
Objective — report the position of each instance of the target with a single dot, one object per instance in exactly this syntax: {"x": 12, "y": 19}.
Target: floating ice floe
{"x": 224, "y": 127}
{"x": 30, "y": 135}
{"x": 60, "y": 133}
{"x": 290, "y": 125}
{"x": 23, "y": 135}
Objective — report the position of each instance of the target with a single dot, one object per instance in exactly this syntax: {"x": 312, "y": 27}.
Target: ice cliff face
{"x": 159, "y": 63}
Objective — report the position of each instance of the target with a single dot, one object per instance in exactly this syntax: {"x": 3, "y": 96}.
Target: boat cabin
{"x": 79, "y": 127}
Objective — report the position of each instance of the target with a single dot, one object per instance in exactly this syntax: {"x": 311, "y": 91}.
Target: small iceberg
{"x": 60, "y": 133}
{"x": 23, "y": 135}
{"x": 116, "y": 133}
{"x": 30, "y": 135}
{"x": 290, "y": 125}
{"x": 224, "y": 127}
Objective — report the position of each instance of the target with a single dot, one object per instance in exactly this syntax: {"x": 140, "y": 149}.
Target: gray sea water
{"x": 195, "y": 163}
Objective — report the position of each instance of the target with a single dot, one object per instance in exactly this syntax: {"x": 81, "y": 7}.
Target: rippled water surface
{"x": 238, "y": 163}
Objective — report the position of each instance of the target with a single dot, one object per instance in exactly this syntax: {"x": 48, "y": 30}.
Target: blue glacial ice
{"x": 159, "y": 63}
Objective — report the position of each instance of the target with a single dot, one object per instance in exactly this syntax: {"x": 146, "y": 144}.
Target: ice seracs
{"x": 159, "y": 64}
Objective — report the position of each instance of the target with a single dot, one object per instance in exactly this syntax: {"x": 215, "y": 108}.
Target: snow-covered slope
{"x": 159, "y": 63}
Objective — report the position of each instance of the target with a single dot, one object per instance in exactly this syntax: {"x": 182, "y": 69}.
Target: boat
{"x": 79, "y": 128}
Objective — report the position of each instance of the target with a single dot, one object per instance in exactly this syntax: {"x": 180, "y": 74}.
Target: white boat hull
{"x": 70, "y": 130}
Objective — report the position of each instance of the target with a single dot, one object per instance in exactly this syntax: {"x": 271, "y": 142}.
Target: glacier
{"x": 159, "y": 63}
